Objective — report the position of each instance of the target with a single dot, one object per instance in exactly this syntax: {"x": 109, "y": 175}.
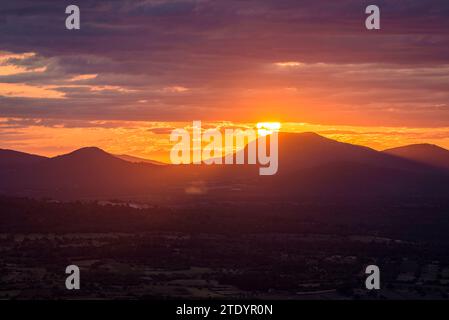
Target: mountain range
{"x": 309, "y": 165}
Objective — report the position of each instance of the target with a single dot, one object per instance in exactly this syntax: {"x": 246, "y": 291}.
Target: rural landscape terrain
{"x": 151, "y": 230}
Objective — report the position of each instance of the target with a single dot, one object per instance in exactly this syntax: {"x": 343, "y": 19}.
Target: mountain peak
{"x": 90, "y": 150}
{"x": 430, "y": 154}
{"x": 88, "y": 153}
{"x": 418, "y": 146}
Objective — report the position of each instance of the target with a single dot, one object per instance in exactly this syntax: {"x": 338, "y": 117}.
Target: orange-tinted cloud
{"x": 13, "y": 90}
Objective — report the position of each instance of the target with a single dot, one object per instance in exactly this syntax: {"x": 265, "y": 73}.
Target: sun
{"x": 266, "y": 128}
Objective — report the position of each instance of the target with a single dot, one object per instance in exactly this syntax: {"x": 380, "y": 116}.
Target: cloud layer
{"x": 165, "y": 60}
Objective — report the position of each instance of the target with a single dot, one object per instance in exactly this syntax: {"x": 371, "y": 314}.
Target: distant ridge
{"x": 429, "y": 154}
{"x": 85, "y": 152}
{"x": 138, "y": 160}
{"x": 9, "y": 158}
{"x": 307, "y": 150}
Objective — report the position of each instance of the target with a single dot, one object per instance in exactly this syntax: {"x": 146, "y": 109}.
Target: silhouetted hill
{"x": 312, "y": 165}
{"x": 306, "y": 150}
{"x": 11, "y": 158}
{"x": 85, "y": 172}
{"x": 308, "y": 165}
{"x": 137, "y": 159}
{"x": 424, "y": 153}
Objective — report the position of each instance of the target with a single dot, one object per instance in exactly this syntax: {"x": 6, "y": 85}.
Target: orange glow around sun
{"x": 150, "y": 140}
{"x": 266, "y": 128}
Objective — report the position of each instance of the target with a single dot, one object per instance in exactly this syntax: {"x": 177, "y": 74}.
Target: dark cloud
{"x": 221, "y": 49}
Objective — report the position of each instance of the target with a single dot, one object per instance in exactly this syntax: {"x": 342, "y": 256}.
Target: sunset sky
{"x": 138, "y": 69}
